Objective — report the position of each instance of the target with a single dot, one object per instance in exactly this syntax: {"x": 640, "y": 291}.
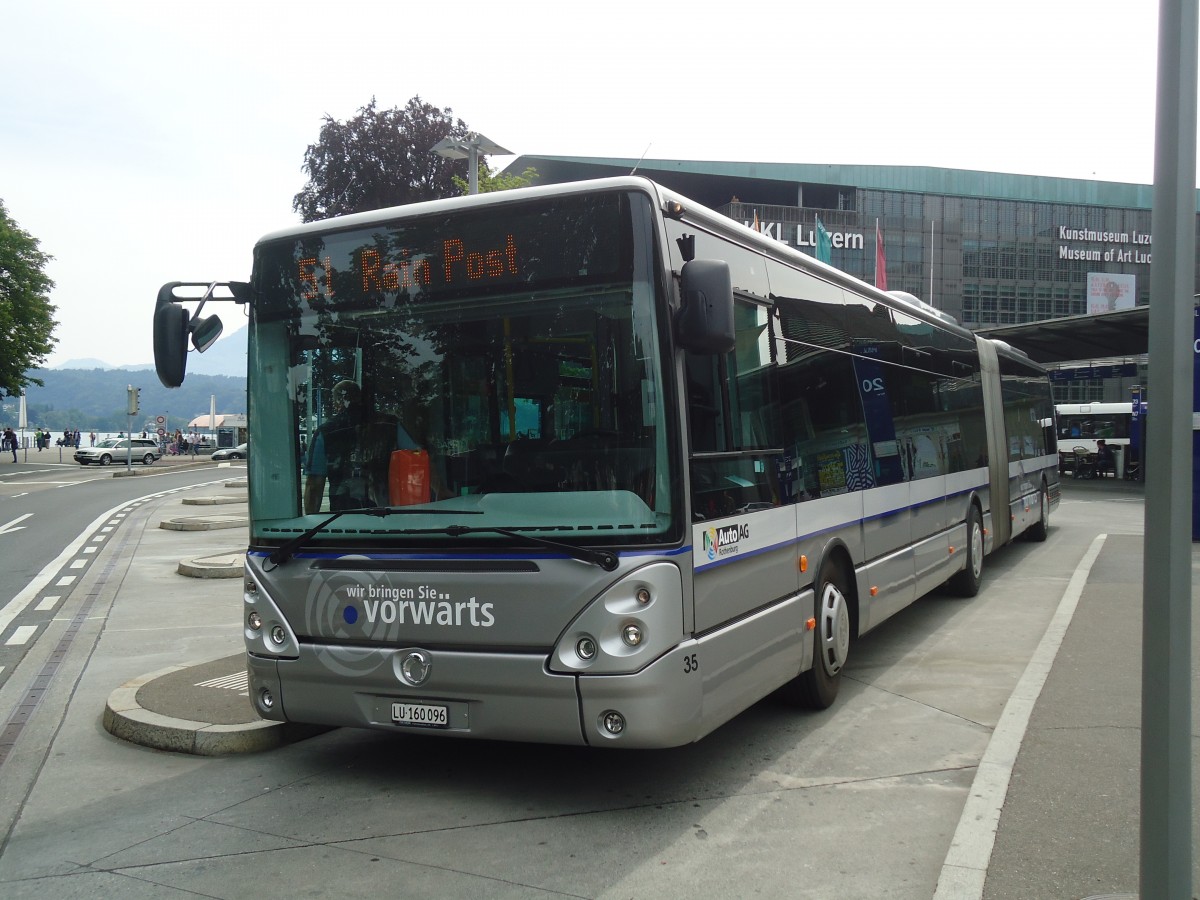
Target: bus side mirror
{"x": 170, "y": 337}
{"x": 205, "y": 332}
{"x": 704, "y": 324}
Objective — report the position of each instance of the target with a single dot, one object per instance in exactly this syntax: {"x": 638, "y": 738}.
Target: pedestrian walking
{"x": 10, "y": 442}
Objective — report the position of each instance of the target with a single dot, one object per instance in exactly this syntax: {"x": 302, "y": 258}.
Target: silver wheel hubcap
{"x": 976, "y": 549}
{"x": 833, "y": 636}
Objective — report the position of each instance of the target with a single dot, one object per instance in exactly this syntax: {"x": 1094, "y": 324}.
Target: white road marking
{"x": 21, "y": 635}
{"x": 10, "y": 527}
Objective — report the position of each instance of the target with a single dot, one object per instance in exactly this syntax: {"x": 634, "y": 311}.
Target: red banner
{"x": 880, "y": 260}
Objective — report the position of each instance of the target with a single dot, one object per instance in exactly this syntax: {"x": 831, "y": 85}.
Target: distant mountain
{"x": 89, "y": 394}
{"x": 95, "y": 399}
{"x": 88, "y": 363}
{"x": 226, "y": 357}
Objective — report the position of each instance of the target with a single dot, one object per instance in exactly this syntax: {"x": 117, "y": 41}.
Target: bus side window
{"x": 732, "y": 408}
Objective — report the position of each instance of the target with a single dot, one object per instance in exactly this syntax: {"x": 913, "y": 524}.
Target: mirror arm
{"x": 239, "y": 289}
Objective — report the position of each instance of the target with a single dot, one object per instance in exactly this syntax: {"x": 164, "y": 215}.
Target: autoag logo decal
{"x": 721, "y": 542}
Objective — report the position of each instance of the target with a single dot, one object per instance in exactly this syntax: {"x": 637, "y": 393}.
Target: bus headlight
{"x": 627, "y": 627}
{"x": 266, "y": 631}
{"x": 586, "y": 647}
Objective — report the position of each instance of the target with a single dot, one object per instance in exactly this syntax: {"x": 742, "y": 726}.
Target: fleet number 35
{"x": 691, "y": 663}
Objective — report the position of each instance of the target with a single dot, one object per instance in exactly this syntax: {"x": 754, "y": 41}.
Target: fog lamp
{"x": 254, "y": 620}
{"x": 614, "y": 722}
{"x": 585, "y": 647}
{"x": 643, "y": 596}
{"x": 277, "y": 634}
{"x": 266, "y": 699}
{"x": 631, "y": 634}
{"x": 251, "y": 586}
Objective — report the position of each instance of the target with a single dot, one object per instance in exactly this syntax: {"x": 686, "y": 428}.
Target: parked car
{"x": 110, "y": 450}
{"x": 238, "y": 452}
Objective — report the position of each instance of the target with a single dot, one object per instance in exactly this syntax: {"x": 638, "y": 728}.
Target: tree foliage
{"x": 26, "y": 313}
{"x": 380, "y": 158}
{"x": 490, "y": 180}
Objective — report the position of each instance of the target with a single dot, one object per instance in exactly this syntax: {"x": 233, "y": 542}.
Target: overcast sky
{"x": 146, "y": 142}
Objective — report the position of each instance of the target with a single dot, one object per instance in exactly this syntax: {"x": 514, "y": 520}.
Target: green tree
{"x": 490, "y": 180}
{"x": 379, "y": 158}
{"x": 26, "y": 313}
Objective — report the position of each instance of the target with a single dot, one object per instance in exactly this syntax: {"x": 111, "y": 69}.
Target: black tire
{"x": 966, "y": 583}
{"x": 105, "y": 460}
{"x": 817, "y": 688}
{"x": 147, "y": 459}
{"x": 1040, "y": 528}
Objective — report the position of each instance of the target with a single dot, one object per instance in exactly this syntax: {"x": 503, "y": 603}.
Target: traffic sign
{"x": 161, "y": 420}
{"x": 162, "y": 432}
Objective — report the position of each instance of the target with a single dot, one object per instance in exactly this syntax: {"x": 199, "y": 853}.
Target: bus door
{"x": 743, "y": 531}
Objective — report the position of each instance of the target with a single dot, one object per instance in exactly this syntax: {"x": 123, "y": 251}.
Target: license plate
{"x": 421, "y": 714}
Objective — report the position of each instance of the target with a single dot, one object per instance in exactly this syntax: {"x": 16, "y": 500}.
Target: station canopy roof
{"x": 1122, "y": 333}
{"x": 223, "y": 420}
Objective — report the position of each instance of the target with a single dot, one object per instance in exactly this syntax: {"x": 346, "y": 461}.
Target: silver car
{"x": 109, "y": 450}
{"x": 238, "y": 452}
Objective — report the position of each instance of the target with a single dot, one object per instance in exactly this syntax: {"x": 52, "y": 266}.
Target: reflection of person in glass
{"x": 352, "y": 451}
{"x": 1112, "y": 293}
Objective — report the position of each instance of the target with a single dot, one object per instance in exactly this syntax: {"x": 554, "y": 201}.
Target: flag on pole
{"x": 757, "y": 226}
{"x": 824, "y": 244}
{"x": 880, "y": 260}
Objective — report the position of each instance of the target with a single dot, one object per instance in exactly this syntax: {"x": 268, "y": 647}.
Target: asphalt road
{"x": 44, "y": 507}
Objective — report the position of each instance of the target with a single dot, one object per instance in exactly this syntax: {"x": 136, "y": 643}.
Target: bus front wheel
{"x": 817, "y": 688}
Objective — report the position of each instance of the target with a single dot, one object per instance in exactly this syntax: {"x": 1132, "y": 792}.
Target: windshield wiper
{"x": 286, "y": 550}
{"x": 605, "y": 559}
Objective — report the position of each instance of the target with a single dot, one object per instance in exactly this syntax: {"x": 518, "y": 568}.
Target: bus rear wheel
{"x": 1038, "y": 530}
{"x": 966, "y": 583}
{"x": 817, "y": 688}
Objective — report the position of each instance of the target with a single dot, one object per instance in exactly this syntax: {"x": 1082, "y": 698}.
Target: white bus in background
{"x": 1081, "y": 425}
{"x": 1085, "y": 423}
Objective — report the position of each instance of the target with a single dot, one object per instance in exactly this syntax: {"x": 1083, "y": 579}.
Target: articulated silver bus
{"x": 591, "y": 464}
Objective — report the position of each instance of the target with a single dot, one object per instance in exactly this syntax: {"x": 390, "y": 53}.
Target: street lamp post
{"x": 468, "y": 148}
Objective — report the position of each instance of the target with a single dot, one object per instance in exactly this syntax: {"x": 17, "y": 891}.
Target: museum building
{"x": 989, "y": 249}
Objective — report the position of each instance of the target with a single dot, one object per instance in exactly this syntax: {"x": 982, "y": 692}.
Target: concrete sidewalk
{"x": 1068, "y": 823}
{"x": 200, "y": 706}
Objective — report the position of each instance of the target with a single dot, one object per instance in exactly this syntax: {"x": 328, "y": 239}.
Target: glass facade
{"x": 984, "y": 261}
{"x": 988, "y": 248}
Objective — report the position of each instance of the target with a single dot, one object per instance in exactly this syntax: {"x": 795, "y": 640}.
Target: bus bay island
{"x": 591, "y": 464}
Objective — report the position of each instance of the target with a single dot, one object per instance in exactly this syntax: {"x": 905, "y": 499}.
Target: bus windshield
{"x": 497, "y": 372}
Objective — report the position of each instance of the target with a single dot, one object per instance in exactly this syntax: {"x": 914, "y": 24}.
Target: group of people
{"x": 70, "y": 438}
{"x": 179, "y": 445}
{"x": 41, "y": 440}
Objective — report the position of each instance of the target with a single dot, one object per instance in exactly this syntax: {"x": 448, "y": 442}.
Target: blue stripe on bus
{"x": 451, "y": 557}
{"x": 812, "y": 534}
